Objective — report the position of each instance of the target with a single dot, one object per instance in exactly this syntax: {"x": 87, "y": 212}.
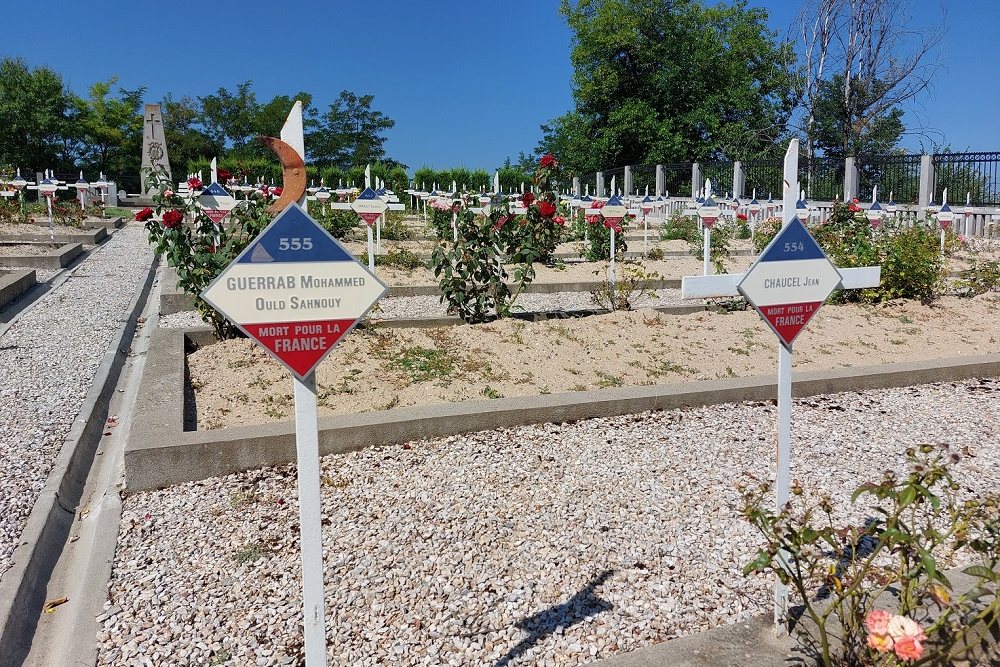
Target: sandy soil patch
{"x": 27, "y": 249}
{"x": 236, "y": 383}
{"x": 8, "y": 229}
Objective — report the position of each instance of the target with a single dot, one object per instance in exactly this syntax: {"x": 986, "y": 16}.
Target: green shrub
{"x": 338, "y": 223}
{"x": 910, "y": 257}
{"x": 398, "y": 258}
{"x": 718, "y": 248}
{"x": 655, "y": 254}
{"x": 393, "y": 228}
{"x": 980, "y": 278}
{"x": 680, "y": 228}
{"x": 764, "y": 233}
{"x": 600, "y": 242}
{"x": 631, "y": 283}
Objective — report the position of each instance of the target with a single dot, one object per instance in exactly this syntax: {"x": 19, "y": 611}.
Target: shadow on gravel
{"x": 581, "y": 606}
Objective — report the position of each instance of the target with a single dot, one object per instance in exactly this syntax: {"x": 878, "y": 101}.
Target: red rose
{"x": 277, "y": 191}
{"x": 528, "y": 198}
{"x": 741, "y": 216}
{"x": 559, "y": 220}
{"x": 194, "y": 183}
{"x": 172, "y": 218}
{"x": 144, "y": 215}
{"x": 224, "y": 175}
{"x": 547, "y": 161}
{"x": 547, "y": 209}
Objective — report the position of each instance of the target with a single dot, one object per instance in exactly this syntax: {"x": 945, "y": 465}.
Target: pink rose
{"x": 877, "y": 622}
{"x": 909, "y": 649}
{"x": 901, "y": 626}
{"x": 559, "y": 220}
{"x": 881, "y": 643}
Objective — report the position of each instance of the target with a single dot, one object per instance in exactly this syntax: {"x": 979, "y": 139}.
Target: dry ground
{"x": 236, "y": 383}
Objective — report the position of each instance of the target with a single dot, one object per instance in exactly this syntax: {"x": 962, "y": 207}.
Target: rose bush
{"x": 200, "y": 251}
{"x": 918, "y": 525}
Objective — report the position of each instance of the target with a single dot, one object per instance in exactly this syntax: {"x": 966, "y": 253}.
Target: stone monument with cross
{"x": 154, "y": 145}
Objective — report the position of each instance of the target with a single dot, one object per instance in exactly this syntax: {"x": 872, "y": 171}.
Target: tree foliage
{"x": 669, "y": 81}
{"x": 34, "y": 119}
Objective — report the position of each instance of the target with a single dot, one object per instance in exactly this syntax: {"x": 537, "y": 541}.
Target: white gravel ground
{"x": 47, "y": 363}
{"x": 547, "y": 545}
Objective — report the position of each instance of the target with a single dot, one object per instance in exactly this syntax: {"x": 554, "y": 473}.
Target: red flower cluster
{"x": 559, "y": 220}
{"x": 594, "y": 219}
{"x": 144, "y": 215}
{"x": 277, "y": 191}
{"x": 741, "y": 216}
{"x": 528, "y": 198}
{"x": 547, "y": 161}
{"x": 194, "y": 183}
{"x": 547, "y": 209}
{"x": 172, "y": 218}
{"x": 224, "y": 175}
{"x": 853, "y": 207}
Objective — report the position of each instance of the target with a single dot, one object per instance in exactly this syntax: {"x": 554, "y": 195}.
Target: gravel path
{"x": 47, "y": 362}
{"x": 546, "y": 545}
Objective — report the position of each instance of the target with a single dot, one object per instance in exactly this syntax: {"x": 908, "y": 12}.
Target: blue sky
{"x": 468, "y": 82}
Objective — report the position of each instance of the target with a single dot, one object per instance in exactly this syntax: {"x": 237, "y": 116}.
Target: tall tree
{"x": 108, "y": 128}
{"x": 351, "y": 132}
{"x": 229, "y": 118}
{"x": 861, "y": 62}
{"x": 186, "y": 139}
{"x": 34, "y": 110}
{"x": 671, "y": 80}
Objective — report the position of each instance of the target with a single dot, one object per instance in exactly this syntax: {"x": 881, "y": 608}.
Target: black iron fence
{"x": 764, "y": 176}
{"x": 822, "y": 178}
{"x": 721, "y": 176}
{"x": 644, "y": 178}
{"x": 976, "y": 175}
{"x": 897, "y": 177}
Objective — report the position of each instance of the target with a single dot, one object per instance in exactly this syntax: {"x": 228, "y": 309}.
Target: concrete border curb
{"x": 160, "y": 453}
{"x": 85, "y": 237}
{"x": 15, "y": 283}
{"x": 57, "y": 259}
{"x": 173, "y": 300}
{"x": 530, "y": 316}
{"x": 23, "y": 585}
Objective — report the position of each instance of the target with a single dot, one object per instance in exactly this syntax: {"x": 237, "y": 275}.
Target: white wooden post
{"x": 781, "y": 485}
{"x": 307, "y": 451}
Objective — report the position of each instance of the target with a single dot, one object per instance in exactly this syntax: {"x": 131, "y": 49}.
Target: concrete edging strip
{"x": 23, "y": 585}
{"x": 57, "y": 259}
{"x": 161, "y": 453}
{"x": 14, "y": 284}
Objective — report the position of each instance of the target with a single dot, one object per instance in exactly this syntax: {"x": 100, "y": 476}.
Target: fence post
{"x": 926, "y": 194}
{"x": 600, "y": 184}
{"x": 739, "y": 180}
{"x": 576, "y": 187}
{"x": 628, "y": 180}
{"x": 696, "y": 181}
{"x": 661, "y": 181}
{"x": 850, "y": 179}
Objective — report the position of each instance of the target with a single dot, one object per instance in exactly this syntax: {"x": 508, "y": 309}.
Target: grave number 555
{"x": 795, "y": 247}
{"x": 296, "y": 244}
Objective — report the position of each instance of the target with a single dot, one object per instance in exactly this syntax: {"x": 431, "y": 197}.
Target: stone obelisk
{"x": 154, "y": 145}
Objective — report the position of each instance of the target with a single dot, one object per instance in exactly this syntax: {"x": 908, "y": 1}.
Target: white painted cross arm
{"x": 706, "y": 287}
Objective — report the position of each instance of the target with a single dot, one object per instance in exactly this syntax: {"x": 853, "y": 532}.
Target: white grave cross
{"x": 786, "y": 305}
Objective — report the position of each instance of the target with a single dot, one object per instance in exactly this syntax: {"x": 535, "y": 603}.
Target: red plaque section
{"x": 788, "y": 319}
{"x": 299, "y": 344}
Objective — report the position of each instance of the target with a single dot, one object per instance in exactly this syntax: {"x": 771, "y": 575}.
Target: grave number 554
{"x": 300, "y": 244}
{"x": 795, "y": 247}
